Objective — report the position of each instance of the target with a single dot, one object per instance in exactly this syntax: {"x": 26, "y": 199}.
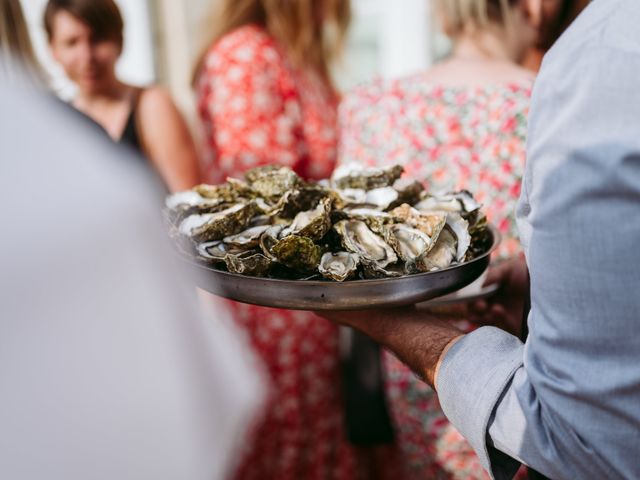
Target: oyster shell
{"x": 375, "y": 219}
{"x": 359, "y": 239}
{"x": 215, "y": 226}
{"x": 409, "y": 191}
{"x": 247, "y": 239}
{"x": 256, "y": 265}
{"x": 298, "y": 253}
{"x": 269, "y": 239}
{"x": 215, "y": 252}
{"x": 441, "y": 255}
{"x": 382, "y": 198}
{"x": 314, "y": 223}
{"x": 430, "y": 223}
{"x": 373, "y": 270}
{"x": 338, "y": 266}
{"x": 356, "y": 176}
{"x": 408, "y": 242}
{"x": 460, "y": 228}
{"x": 272, "y": 182}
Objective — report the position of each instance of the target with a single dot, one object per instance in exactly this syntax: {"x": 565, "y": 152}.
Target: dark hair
{"x": 552, "y": 28}
{"x": 102, "y": 16}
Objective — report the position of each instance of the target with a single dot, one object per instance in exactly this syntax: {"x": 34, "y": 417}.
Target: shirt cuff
{"x": 472, "y": 378}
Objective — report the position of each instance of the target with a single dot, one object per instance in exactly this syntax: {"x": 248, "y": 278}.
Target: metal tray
{"x": 349, "y": 295}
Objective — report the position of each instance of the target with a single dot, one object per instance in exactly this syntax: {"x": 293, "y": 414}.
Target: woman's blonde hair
{"x": 459, "y": 15}
{"x": 311, "y": 38}
{"x": 15, "y": 42}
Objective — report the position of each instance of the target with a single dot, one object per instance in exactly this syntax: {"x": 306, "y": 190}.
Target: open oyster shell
{"x": 314, "y": 223}
{"x": 215, "y": 226}
{"x": 358, "y": 238}
{"x": 256, "y": 265}
{"x": 247, "y": 239}
{"x": 339, "y": 266}
{"x": 408, "y": 242}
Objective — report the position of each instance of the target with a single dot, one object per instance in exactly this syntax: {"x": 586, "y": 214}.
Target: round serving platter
{"x": 349, "y": 295}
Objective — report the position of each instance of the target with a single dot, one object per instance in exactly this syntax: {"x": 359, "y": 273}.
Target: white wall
{"x": 137, "y": 62}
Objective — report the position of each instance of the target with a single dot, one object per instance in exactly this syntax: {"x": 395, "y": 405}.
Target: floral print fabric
{"x": 450, "y": 139}
{"x": 258, "y": 110}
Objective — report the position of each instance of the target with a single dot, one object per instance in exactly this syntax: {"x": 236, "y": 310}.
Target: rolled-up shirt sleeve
{"x": 473, "y": 377}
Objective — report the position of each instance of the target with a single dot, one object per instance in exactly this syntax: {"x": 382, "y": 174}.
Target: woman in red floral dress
{"x": 460, "y": 125}
{"x": 265, "y": 97}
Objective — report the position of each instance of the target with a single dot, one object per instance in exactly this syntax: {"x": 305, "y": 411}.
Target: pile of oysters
{"x": 363, "y": 223}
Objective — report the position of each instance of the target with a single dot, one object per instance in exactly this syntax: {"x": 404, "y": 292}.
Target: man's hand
{"x": 505, "y": 309}
{"x": 417, "y": 339}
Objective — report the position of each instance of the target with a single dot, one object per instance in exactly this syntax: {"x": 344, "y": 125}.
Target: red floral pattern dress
{"x": 449, "y": 138}
{"x": 258, "y": 110}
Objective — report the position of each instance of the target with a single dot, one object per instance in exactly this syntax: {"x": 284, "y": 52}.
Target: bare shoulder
{"x": 156, "y": 101}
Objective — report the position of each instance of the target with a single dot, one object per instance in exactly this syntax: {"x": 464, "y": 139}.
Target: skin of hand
{"x": 416, "y": 338}
{"x": 505, "y": 309}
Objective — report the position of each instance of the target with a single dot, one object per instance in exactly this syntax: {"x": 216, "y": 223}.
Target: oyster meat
{"x": 338, "y": 266}
{"x": 247, "y": 239}
{"x": 358, "y": 238}
{"x": 314, "y": 223}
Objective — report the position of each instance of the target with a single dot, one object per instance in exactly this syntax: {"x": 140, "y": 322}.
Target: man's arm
{"x": 416, "y": 339}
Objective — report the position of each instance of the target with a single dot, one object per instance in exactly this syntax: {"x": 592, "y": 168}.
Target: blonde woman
{"x": 459, "y": 125}
{"x": 265, "y": 96}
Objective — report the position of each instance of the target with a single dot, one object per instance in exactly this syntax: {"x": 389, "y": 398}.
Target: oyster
{"x": 215, "y": 252}
{"x": 460, "y": 229}
{"x": 256, "y": 265}
{"x": 271, "y": 182}
{"x": 338, "y": 266}
{"x": 298, "y": 253}
{"x": 182, "y": 204}
{"x": 381, "y": 198}
{"x": 313, "y": 224}
{"x": 408, "y": 242}
{"x": 359, "y": 239}
{"x": 459, "y": 202}
{"x": 356, "y": 176}
{"x": 375, "y": 219}
{"x": 430, "y": 223}
{"x": 409, "y": 191}
{"x": 247, "y": 239}
{"x": 269, "y": 239}
{"x": 215, "y": 226}
{"x": 371, "y": 270}
{"x": 442, "y": 255}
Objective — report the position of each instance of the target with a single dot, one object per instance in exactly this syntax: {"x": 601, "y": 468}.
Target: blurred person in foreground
{"x": 86, "y": 39}
{"x": 266, "y": 96}
{"x": 566, "y": 402}
{"x": 107, "y": 369}
{"x": 462, "y": 124}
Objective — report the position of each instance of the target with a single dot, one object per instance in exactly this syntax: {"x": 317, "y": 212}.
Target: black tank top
{"x": 130, "y": 135}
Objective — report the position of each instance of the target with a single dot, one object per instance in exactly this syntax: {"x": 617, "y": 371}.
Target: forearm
{"x": 416, "y": 339}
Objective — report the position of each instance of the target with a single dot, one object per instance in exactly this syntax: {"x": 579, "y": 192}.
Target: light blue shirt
{"x": 567, "y": 403}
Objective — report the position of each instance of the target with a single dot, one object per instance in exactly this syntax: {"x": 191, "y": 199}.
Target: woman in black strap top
{"x": 86, "y": 39}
